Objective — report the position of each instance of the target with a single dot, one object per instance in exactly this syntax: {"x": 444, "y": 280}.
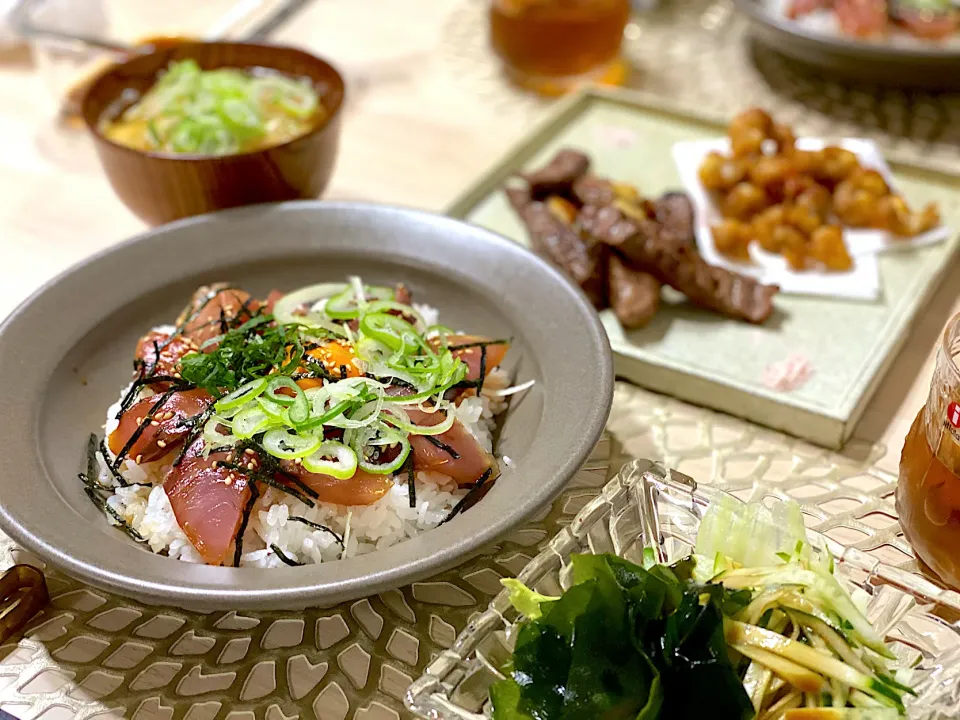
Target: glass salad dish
{"x": 651, "y": 511}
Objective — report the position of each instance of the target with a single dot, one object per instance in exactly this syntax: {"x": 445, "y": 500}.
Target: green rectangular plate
{"x": 701, "y": 357}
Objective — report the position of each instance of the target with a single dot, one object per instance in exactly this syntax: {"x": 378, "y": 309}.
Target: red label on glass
{"x": 953, "y": 414}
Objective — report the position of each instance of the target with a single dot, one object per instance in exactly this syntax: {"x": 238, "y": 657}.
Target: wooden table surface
{"x": 412, "y": 136}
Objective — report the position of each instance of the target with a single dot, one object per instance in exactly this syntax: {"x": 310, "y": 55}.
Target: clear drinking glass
{"x": 928, "y": 493}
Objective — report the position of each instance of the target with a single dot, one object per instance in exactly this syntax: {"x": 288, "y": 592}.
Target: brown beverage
{"x": 928, "y": 493}
{"x": 552, "y": 46}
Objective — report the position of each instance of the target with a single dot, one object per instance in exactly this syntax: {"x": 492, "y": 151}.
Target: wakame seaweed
{"x": 624, "y": 642}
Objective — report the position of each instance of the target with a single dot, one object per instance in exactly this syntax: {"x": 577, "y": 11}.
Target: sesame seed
{"x": 249, "y": 451}
{"x": 161, "y": 444}
{"x": 228, "y": 481}
{"x": 215, "y": 465}
{"x": 154, "y": 423}
{"x": 137, "y": 459}
{"x": 251, "y": 466}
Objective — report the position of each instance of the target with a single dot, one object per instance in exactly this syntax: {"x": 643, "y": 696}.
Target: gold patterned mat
{"x": 698, "y": 53}
{"x": 92, "y": 654}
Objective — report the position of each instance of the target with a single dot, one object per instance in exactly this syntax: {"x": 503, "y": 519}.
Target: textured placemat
{"x": 91, "y": 651}
{"x": 698, "y": 53}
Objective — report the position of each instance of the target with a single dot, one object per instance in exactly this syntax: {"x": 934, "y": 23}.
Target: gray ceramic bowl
{"x": 67, "y": 351}
{"x": 911, "y": 64}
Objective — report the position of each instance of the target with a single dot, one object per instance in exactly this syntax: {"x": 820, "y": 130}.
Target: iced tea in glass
{"x": 553, "y": 46}
{"x": 928, "y": 493}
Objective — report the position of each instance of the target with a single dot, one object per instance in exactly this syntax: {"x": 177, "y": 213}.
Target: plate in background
{"x": 903, "y": 61}
{"x": 696, "y": 355}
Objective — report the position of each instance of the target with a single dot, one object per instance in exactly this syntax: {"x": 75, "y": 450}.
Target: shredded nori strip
{"x": 104, "y": 507}
{"x": 142, "y": 426}
{"x": 318, "y": 526}
{"x": 433, "y": 440}
{"x": 458, "y": 508}
{"x": 92, "y": 447}
{"x": 245, "y": 518}
{"x": 267, "y": 480}
{"x": 343, "y": 372}
{"x": 196, "y": 424}
{"x": 284, "y": 558}
{"x": 271, "y": 466}
{"x": 394, "y": 382}
{"x": 114, "y": 471}
{"x": 143, "y": 381}
{"x": 478, "y": 344}
{"x": 483, "y": 368}
{"x": 411, "y": 480}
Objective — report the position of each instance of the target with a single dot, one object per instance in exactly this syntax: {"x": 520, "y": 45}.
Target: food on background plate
{"x": 620, "y": 247}
{"x": 795, "y": 202}
{"x": 217, "y": 112}
{"x": 924, "y": 19}
{"x": 305, "y": 427}
{"x": 753, "y": 625}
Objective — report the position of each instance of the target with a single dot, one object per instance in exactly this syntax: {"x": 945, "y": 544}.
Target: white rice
{"x": 359, "y": 529}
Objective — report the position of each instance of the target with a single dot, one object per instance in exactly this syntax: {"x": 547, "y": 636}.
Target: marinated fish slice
{"x": 634, "y": 295}
{"x": 490, "y": 355}
{"x": 163, "y": 431}
{"x": 214, "y": 310}
{"x": 681, "y": 267}
{"x": 455, "y": 453}
{"x": 208, "y": 499}
{"x": 362, "y": 489}
{"x": 159, "y": 353}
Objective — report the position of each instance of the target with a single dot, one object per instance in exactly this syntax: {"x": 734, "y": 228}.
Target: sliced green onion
{"x": 212, "y": 435}
{"x": 282, "y": 382}
{"x": 345, "y": 305}
{"x": 382, "y": 306}
{"x": 342, "y": 466}
{"x": 397, "y": 417}
{"x": 250, "y": 421}
{"x": 363, "y": 416}
{"x": 273, "y": 409}
{"x": 394, "y": 332}
{"x": 300, "y": 410}
{"x": 360, "y": 440}
{"x": 242, "y": 395}
{"x": 285, "y": 308}
{"x": 283, "y": 444}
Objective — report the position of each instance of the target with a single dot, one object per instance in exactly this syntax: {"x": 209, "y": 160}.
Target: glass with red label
{"x": 928, "y": 494}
